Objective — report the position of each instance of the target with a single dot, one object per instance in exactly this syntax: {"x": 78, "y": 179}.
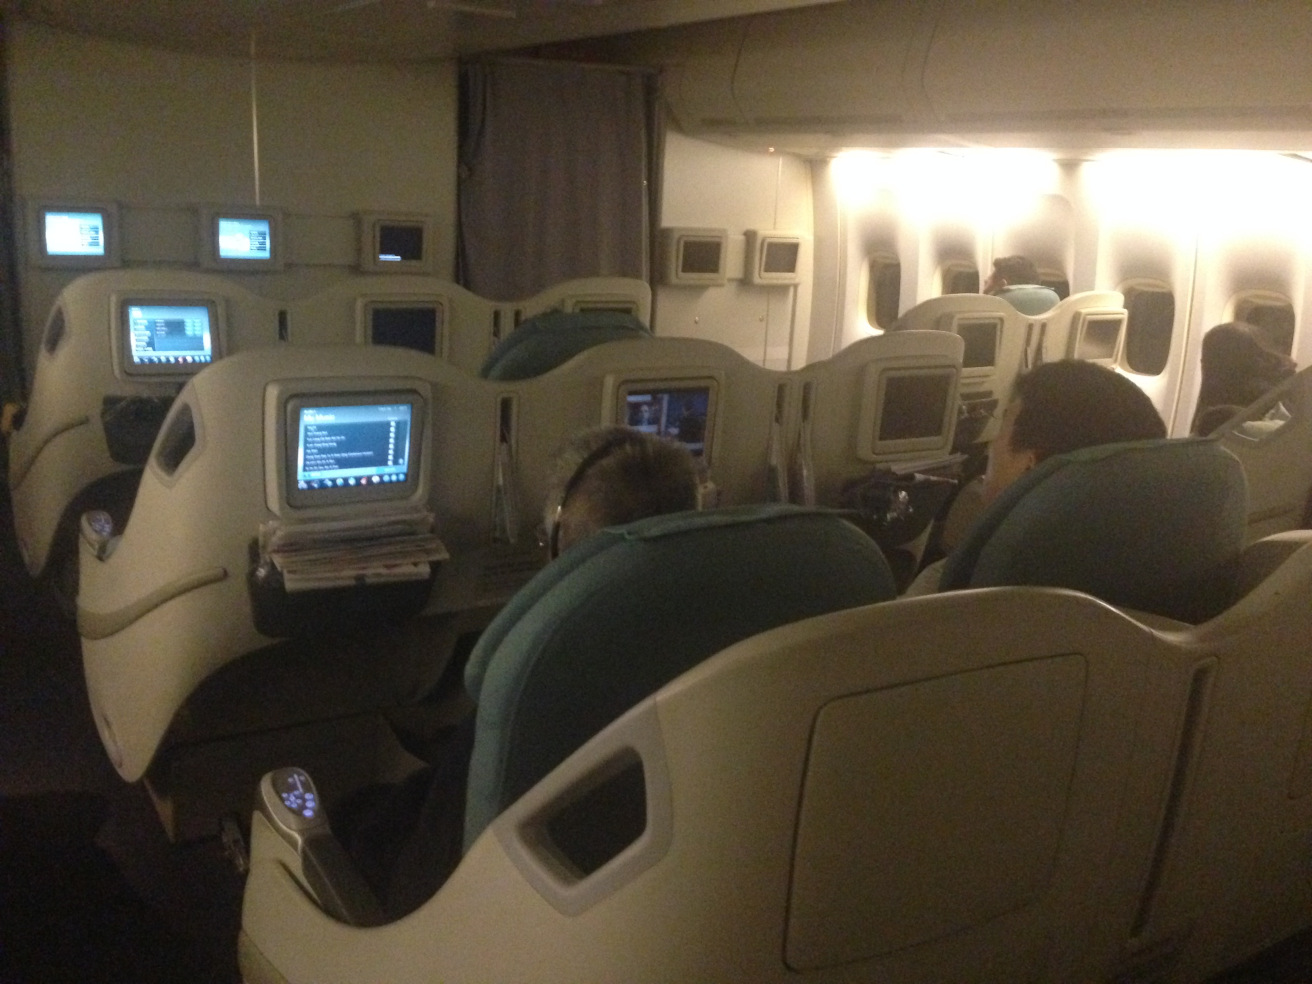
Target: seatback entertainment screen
{"x": 245, "y": 238}
{"x": 353, "y": 447}
{"x": 682, "y": 412}
{"x": 163, "y": 337}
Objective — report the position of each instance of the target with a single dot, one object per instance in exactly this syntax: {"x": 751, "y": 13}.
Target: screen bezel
{"x": 624, "y": 386}
{"x": 673, "y": 241}
{"x": 371, "y": 225}
{"x": 291, "y": 407}
{"x": 123, "y": 335}
{"x": 999, "y": 325}
{"x": 759, "y": 244}
{"x": 874, "y": 391}
{"x": 209, "y": 245}
{"x": 1085, "y": 319}
{"x": 108, "y": 212}
{"x": 367, "y": 304}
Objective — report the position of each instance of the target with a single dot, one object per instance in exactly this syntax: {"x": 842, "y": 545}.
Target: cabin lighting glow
{"x": 991, "y": 187}
{"x": 1205, "y": 192}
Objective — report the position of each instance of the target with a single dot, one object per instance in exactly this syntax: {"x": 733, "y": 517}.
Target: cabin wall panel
{"x": 163, "y": 132}
{"x": 711, "y": 186}
{"x": 1134, "y": 250}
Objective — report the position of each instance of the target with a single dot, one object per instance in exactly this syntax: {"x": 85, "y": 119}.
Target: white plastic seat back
{"x": 425, "y": 313}
{"x": 999, "y": 343}
{"x": 91, "y": 415}
{"x": 853, "y": 416}
{"x": 1089, "y": 326}
{"x": 1272, "y": 439}
{"x": 1232, "y": 879}
{"x": 174, "y": 603}
{"x": 961, "y": 787}
{"x": 652, "y": 384}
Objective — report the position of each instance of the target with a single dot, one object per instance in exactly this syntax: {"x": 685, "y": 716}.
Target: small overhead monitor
{"x": 408, "y": 322}
{"x": 907, "y": 411}
{"x": 236, "y": 239}
{"x": 694, "y": 257}
{"x": 981, "y": 334}
{"x": 772, "y": 258}
{"x": 395, "y": 243}
{"x": 681, "y": 409}
{"x": 168, "y": 336}
{"x": 76, "y": 236}
{"x": 351, "y": 447}
{"x": 1096, "y": 336}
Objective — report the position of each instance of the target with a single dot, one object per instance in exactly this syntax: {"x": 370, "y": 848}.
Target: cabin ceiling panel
{"x": 373, "y": 30}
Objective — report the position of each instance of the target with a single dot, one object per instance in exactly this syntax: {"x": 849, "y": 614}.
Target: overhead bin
{"x": 830, "y": 68}
{"x": 889, "y": 71}
{"x": 1041, "y": 64}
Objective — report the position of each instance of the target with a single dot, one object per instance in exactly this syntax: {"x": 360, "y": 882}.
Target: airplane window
{"x": 1273, "y": 316}
{"x": 960, "y": 279}
{"x": 1151, "y": 310}
{"x": 884, "y": 293}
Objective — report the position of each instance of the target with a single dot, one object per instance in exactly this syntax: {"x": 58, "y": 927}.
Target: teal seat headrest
{"x": 627, "y": 610}
{"x": 1156, "y": 526}
{"x": 552, "y": 338}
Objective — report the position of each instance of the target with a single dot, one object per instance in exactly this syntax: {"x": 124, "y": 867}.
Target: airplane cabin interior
{"x": 300, "y": 302}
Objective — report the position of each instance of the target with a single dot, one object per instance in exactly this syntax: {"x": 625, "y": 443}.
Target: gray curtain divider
{"x": 557, "y": 170}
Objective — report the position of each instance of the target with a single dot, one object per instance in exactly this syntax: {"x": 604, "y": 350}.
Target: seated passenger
{"x": 1238, "y": 366}
{"x": 1016, "y": 280}
{"x": 1058, "y": 407}
{"x": 406, "y": 839}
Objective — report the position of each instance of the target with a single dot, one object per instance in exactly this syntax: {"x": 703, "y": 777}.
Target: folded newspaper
{"x": 314, "y": 554}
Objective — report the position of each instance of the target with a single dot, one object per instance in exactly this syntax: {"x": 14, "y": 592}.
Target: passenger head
{"x": 612, "y": 475}
{"x": 1009, "y": 271}
{"x": 1064, "y": 406}
{"x": 1238, "y": 366}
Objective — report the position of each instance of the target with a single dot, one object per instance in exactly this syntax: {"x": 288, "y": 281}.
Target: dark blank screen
{"x": 915, "y": 405}
{"x": 415, "y": 328}
{"x": 699, "y": 256}
{"x": 399, "y": 242}
{"x": 981, "y": 343}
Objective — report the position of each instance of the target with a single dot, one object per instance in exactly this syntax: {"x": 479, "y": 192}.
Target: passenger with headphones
{"x": 612, "y": 475}
{"x": 406, "y": 839}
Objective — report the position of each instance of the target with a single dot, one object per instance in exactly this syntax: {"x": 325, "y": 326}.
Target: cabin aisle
{"x": 90, "y": 890}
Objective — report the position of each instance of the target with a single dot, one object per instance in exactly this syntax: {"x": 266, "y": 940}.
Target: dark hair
{"x": 1070, "y": 405}
{"x": 1238, "y": 366}
{"x": 1016, "y": 270}
{"x": 612, "y": 475}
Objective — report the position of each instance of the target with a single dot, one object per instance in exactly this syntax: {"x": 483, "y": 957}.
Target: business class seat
{"x": 999, "y": 344}
{"x": 611, "y": 622}
{"x": 93, "y": 412}
{"x": 1272, "y": 438}
{"x": 1089, "y": 326}
{"x": 963, "y": 787}
{"x": 546, "y": 340}
{"x": 199, "y": 653}
{"x": 622, "y": 295}
{"x": 1157, "y": 526}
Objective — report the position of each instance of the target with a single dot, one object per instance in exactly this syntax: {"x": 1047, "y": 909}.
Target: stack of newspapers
{"x": 334, "y": 553}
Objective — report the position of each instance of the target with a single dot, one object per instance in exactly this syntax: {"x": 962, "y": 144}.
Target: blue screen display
{"x": 245, "y": 239}
{"x": 170, "y": 334}
{"x": 353, "y": 446}
{"x": 75, "y": 233}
